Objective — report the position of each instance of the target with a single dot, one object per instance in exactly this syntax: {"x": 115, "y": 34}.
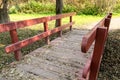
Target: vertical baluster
{"x": 14, "y": 37}
{"x": 98, "y": 52}
{"x": 70, "y": 21}
{"x": 59, "y": 24}
{"x": 45, "y": 30}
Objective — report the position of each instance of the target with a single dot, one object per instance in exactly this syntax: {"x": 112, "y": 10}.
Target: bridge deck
{"x": 60, "y": 60}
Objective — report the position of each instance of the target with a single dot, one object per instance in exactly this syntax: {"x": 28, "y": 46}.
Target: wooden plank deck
{"x": 62, "y": 59}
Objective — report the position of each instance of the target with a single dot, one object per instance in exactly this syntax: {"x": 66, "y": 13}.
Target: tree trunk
{"x": 4, "y": 17}
{"x": 59, "y": 6}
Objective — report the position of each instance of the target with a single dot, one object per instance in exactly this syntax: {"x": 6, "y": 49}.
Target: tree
{"x": 59, "y": 7}
{"x": 4, "y": 17}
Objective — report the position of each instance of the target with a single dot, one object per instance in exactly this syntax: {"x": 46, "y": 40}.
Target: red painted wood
{"x": 7, "y": 27}
{"x": 14, "y": 38}
{"x": 70, "y": 21}
{"x": 99, "y": 35}
{"x": 59, "y": 24}
{"x": 107, "y": 23}
{"x": 45, "y": 30}
{"x": 60, "y": 16}
{"x": 30, "y": 22}
{"x": 87, "y": 40}
{"x": 98, "y": 51}
{"x": 23, "y": 43}
{"x": 86, "y": 69}
{"x": 109, "y": 15}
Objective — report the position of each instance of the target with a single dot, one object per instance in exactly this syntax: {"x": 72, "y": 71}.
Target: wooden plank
{"x": 46, "y": 29}
{"x": 109, "y": 15}
{"x": 59, "y": 16}
{"x": 14, "y": 38}
{"x": 86, "y": 69}
{"x": 7, "y": 27}
{"x": 71, "y": 21}
{"x": 107, "y": 23}
{"x": 87, "y": 40}
{"x": 98, "y": 51}
{"x": 30, "y": 22}
{"x": 93, "y": 64}
{"x": 23, "y": 43}
{"x": 59, "y": 24}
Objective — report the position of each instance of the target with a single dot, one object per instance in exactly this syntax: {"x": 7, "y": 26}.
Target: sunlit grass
{"x": 79, "y": 19}
{"x": 17, "y": 17}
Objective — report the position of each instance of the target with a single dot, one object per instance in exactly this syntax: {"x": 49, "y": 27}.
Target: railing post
{"x": 14, "y": 38}
{"x": 70, "y": 21}
{"x": 109, "y": 15}
{"x": 98, "y": 52}
{"x": 45, "y": 30}
{"x": 59, "y": 24}
{"x": 107, "y": 23}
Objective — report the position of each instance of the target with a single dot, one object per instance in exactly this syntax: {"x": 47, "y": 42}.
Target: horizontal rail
{"x": 89, "y": 38}
{"x": 99, "y": 35}
{"x": 20, "y": 24}
{"x": 23, "y": 43}
{"x": 86, "y": 69}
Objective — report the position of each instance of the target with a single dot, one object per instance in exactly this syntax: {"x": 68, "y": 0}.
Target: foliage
{"x": 33, "y": 7}
{"x": 117, "y": 8}
{"x": 87, "y": 7}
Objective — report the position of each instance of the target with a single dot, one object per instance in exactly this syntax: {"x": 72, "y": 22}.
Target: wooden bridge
{"x": 62, "y": 58}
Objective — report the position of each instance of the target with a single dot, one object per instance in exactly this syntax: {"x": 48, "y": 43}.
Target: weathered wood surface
{"x": 62, "y": 59}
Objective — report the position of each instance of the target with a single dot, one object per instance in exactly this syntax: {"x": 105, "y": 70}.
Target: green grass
{"x": 31, "y": 31}
{"x": 79, "y": 19}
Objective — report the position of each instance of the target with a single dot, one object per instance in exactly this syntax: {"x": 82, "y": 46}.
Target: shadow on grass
{"x": 110, "y": 66}
{"x": 5, "y": 40}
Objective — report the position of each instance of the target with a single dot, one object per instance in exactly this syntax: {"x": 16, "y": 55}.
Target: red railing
{"x": 17, "y": 45}
{"x": 98, "y": 35}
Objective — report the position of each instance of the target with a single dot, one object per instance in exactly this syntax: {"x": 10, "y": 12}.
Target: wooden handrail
{"x": 89, "y": 38}
{"x": 30, "y": 22}
{"x": 23, "y": 43}
{"x": 13, "y": 26}
{"x": 99, "y": 35}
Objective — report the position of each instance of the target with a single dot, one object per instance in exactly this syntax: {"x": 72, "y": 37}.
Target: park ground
{"x": 111, "y": 55}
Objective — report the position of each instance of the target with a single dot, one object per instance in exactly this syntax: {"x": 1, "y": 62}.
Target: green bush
{"x": 14, "y": 9}
{"x": 69, "y": 8}
{"x": 33, "y": 7}
{"x": 117, "y": 8}
{"x": 89, "y": 10}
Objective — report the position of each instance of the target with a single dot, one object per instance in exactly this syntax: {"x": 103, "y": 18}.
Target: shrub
{"x": 82, "y": 7}
{"x": 117, "y": 8}
{"x": 69, "y": 8}
{"x": 33, "y": 7}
